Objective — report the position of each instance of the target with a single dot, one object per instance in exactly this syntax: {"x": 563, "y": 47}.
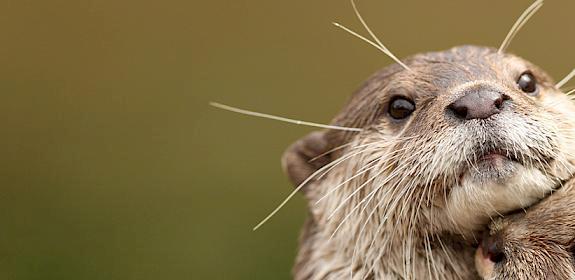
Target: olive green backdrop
{"x": 112, "y": 164}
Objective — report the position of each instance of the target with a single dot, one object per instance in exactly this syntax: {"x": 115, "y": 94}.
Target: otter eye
{"x": 401, "y": 108}
{"x": 527, "y": 83}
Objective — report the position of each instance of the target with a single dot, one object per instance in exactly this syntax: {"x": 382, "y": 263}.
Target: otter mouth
{"x": 495, "y": 157}
{"x": 493, "y": 164}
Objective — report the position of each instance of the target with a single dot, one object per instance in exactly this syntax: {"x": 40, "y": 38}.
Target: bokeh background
{"x": 113, "y": 166}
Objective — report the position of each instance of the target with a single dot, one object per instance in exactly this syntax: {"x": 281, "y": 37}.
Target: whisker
{"x": 330, "y": 151}
{"x": 369, "y": 166}
{"x": 361, "y": 171}
{"x": 354, "y": 192}
{"x": 339, "y": 148}
{"x": 527, "y": 14}
{"x": 429, "y": 258}
{"x": 302, "y": 184}
{"x": 348, "y": 155}
{"x": 449, "y": 260}
{"x": 405, "y": 195}
{"x": 278, "y": 118}
{"x": 380, "y": 227}
{"x": 385, "y": 51}
{"x": 566, "y": 80}
{"x": 369, "y": 216}
{"x": 386, "y": 180}
{"x": 371, "y": 194}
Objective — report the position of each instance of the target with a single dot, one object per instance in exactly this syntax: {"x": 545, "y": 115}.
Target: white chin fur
{"x": 471, "y": 204}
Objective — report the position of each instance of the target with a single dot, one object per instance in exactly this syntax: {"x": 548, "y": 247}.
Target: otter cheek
{"x": 483, "y": 264}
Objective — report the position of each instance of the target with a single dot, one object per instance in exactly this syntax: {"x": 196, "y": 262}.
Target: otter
{"x": 403, "y": 181}
{"x": 448, "y": 140}
{"x": 536, "y": 244}
{"x": 467, "y": 134}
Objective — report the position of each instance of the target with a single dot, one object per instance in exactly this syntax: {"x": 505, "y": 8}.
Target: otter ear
{"x": 306, "y": 156}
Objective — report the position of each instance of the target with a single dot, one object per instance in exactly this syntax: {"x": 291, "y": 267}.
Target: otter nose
{"x": 478, "y": 104}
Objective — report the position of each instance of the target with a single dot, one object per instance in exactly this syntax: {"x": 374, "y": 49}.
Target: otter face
{"x": 490, "y": 132}
{"x": 538, "y": 244}
{"x": 467, "y": 134}
{"x": 487, "y": 136}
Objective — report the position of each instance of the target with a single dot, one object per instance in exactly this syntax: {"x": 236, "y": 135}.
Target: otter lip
{"x": 495, "y": 156}
{"x": 491, "y": 164}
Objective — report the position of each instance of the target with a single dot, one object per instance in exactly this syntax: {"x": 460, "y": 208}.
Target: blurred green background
{"x": 112, "y": 164}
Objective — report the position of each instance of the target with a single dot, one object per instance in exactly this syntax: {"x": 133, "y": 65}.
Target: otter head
{"x": 463, "y": 135}
{"x": 538, "y": 244}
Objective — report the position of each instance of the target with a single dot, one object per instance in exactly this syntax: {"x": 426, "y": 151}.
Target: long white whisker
{"x": 385, "y": 51}
{"x": 386, "y": 216}
{"x": 361, "y": 171}
{"x": 404, "y": 194}
{"x": 369, "y": 198}
{"x": 369, "y": 166}
{"x": 330, "y": 151}
{"x": 355, "y": 191}
{"x": 390, "y": 177}
{"x": 358, "y": 204}
{"x": 350, "y": 154}
{"x": 449, "y": 260}
{"x": 300, "y": 186}
{"x": 566, "y": 80}
{"x": 527, "y": 14}
{"x": 277, "y": 118}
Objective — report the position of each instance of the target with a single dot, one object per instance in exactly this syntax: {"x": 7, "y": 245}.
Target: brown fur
{"x": 416, "y": 212}
{"x": 538, "y": 244}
